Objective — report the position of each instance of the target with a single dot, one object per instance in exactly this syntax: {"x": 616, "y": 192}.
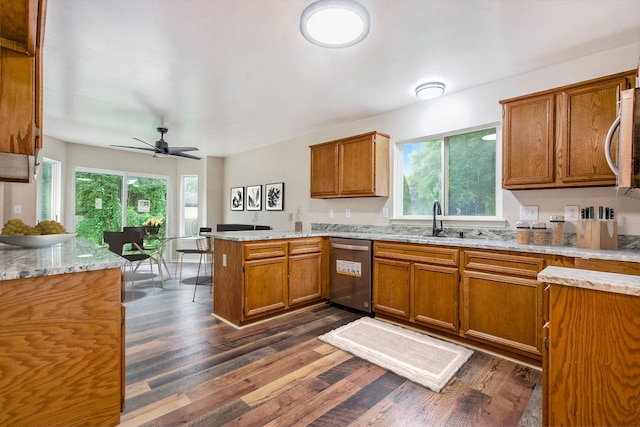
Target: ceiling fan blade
{"x": 188, "y": 156}
{"x": 144, "y": 142}
{"x": 173, "y": 150}
{"x": 135, "y": 148}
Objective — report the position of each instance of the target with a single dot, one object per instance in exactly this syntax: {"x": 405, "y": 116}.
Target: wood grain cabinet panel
{"x": 62, "y": 345}
{"x": 417, "y": 283}
{"x": 305, "y": 270}
{"x": 21, "y": 41}
{"x": 357, "y": 166}
{"x": 588, "y": 112}
{"x": 527, "y": 158}
{"x": 435, "y": 295}
{"x": 305, "y": 278}
{"x": 503, "y": 301}
{"x": 324, "y": 170}
{"x": 265, "y": 285}
{"x": 554, "y": 138}
{"x": 392, "y": 288}
{"x": 502, "y": 310}
{"x": 257, "y": 280}
{"x": 593, "y": 374}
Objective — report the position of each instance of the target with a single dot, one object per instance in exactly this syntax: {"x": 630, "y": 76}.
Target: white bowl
{"x": 36, "y": 241}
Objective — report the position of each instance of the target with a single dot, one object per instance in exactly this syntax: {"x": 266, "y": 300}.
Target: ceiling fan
{"x": 162, "y": 147}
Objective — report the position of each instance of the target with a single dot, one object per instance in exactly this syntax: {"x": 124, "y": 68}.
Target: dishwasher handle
{"x": 350, "y": 247}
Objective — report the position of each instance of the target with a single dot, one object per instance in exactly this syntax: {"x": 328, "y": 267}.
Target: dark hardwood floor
{"x": 185, "y": 367}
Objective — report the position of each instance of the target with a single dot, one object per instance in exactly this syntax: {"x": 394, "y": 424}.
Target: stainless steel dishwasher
{"x": 350, "y": 284}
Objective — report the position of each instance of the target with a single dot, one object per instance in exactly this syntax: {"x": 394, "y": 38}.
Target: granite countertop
{"x": 75, "y": 255}
{"x": 628, "y": 255}
{"x": 607, "y": 282}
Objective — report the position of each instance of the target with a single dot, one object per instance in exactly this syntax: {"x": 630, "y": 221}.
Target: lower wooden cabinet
{"x": 62, "y": 349}
{"x": 258, "y": 279}
{"x": 503, "y": 301}
{"x": 305, "y": 278}
{"x": 416, "y": 283}
{"x": 490, "y": 298}
{"x": 265, "y": 285}
{"x": 591, "y": 370}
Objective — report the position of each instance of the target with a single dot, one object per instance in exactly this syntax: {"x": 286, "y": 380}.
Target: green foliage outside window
{"x": 468, "y": 178}
{"x": 91, "y": 220}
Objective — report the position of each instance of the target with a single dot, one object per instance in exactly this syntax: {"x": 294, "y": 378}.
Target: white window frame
{"x": 183, "y": 192}
{"x": 56, "y": 191}
{"x": 496, "y": 221}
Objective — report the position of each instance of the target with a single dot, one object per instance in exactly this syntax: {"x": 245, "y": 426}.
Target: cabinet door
{"x": 528, "y": 146}
{"x": 593, "y": 374}
{"x": 357, "y": 166}
{"x": 435, "y": 295}
{"x": 392, "y": 288}
{"x": 265, "y": 286}
{"x": 17, "y": 109}
{"x": 588, "y": 112}
{"x": 503, "y": 310}
{"x": 305, "y": 278}
{"x": 324, "y": 170}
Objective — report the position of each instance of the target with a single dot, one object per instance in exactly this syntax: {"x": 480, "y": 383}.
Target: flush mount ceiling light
{"x": 430, "y": 90}
{"x": 334, "y": 23}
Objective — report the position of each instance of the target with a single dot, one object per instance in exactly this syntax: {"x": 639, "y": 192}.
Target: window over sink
{"x": 458, "y": 169}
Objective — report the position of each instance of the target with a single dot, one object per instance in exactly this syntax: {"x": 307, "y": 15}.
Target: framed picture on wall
{"x": 254, "y": 198}
{"x": 274, "y": 196}
{"x": 237, "y": 199}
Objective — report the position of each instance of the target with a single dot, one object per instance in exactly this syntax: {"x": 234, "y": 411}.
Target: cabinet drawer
{"x": 264, "y": 250}
{"x": 416, "y": 252}
{"x": 511, "y": 265}
{"x": 305, "y": 246}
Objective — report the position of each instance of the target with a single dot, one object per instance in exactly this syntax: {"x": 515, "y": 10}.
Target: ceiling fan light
{"x": 430, "y": 90}
{"x": 335, "y": 23}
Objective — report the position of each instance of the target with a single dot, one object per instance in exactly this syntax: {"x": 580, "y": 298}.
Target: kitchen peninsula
{"x": 257, "y": 276}
{"x": 62, "y": 335}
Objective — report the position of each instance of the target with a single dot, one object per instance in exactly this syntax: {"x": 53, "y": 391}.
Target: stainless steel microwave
{"x": 627, "y": 165}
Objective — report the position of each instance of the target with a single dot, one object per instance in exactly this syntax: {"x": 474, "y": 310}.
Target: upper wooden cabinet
{"x": 19, "y": 21}
{"x": 555, "y": 138}
{"x": 357, "y": 166}
{"x": 22, "y": 34}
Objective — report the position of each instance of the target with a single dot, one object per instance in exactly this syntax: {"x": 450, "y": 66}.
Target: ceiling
{"x": 229, "y": 76}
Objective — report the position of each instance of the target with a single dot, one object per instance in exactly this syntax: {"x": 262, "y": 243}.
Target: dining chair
{"x": 118, "y": 241}
{"x": 182, "y": 252}
{"x": 205, "y": 247}
{"x": 152, "y": 251}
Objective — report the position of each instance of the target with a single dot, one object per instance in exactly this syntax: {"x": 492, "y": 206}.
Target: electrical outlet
{"x": 528, "y": 213}
{"x": 330, "y": 213}
{"x": 347, "y": 213}
{"x": 385, "y": 213}
{"x": 571, "y": 213}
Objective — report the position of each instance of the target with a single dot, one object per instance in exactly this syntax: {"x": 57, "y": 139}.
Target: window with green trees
{"x": 104, "y": 203}
{"x": 458, "y": 170}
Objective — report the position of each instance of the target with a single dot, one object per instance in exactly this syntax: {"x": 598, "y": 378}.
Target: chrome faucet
{"x": 437, "y": 210}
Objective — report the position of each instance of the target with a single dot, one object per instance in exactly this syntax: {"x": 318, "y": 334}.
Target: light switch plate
{"x": 529, "y": 213}
{"x": 571, "y": 213}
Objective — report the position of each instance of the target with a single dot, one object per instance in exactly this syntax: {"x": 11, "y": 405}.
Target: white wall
{"x": 288, "y": 161}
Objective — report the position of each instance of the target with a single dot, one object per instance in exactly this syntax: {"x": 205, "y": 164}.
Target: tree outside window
{"x": 460, "y": 167}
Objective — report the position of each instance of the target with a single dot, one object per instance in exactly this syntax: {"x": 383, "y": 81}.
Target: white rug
{"x": 418, "y": 357}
